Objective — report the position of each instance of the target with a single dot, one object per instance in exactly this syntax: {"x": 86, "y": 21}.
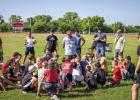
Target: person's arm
{"x": 45, "y": 46}
{"x": 25, "y": 41}
{"x": 116, "y": 39}
{"x": 63, "y": 43}
{"x": 83, "y": 41}
{"x": 104, "y": 39}
{"x": 138, "y": 66}
{"x": 56, "y": 42}
{"x": 123, "y": 45}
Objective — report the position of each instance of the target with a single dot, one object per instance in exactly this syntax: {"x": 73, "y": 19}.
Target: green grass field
{"x": 15, "y": 42}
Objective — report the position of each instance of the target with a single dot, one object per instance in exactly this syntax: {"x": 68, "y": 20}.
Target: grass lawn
{"x": 15, "y": 42}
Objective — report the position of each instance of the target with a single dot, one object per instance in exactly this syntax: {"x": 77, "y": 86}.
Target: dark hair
{"x": 15, "y": 54}
{"x": 30, "y": 57}
{"x": 128, "y": 57}
{"x": 74, "y": 64}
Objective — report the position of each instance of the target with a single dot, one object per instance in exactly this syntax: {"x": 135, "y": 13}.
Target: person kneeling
{"x": 29, "y": 81}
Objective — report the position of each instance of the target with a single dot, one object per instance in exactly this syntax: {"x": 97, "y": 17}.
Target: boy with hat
{"x": 51, "y": 79}
{"x": 29, "y": 81}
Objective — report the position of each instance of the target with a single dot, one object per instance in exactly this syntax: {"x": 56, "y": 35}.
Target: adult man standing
{"x": 29, "y": 42}
{"x": 51, "y": 43}
{"x": 100, "y": 40}
{"x": 79, "y": 44}
{"x": 70, "y": 44}
{"x": 119, "y": 44}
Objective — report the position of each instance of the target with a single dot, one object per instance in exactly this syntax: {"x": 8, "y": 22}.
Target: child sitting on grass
{"x": 121, "y": 65}
{"x": 40, "y": 75}
{"x": 47, "y": 55}
{"x": 89, "y": 78}
{"x": 29, "y": 82}
{"x": 51, "y": 80}
{"x": 115, "y": 80}
{"x": 67, "y": 69}
{"x": 129, "y": 68}
{"x": 77, "y": 74}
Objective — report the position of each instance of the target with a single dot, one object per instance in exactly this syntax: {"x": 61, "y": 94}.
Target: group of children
{"x": 49, "y": 76}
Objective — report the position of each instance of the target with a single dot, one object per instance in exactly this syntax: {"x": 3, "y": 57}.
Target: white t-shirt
{"x": 77, "y": 74}
{"x": 30, "y": 42}
{"x": 119, "y": 43}
{"x": 41, "y": 73}
{"x": 70, "y": 45}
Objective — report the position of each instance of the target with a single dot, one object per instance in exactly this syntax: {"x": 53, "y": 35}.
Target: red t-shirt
{"x": 4, "y": 68}
{"x": 51, "y": 75}
{"x": 117, "y": 74}
{"x": 67, "y": 67}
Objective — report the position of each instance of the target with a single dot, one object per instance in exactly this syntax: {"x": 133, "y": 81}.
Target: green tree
{"x": 5, "y": 27}
{"x": 52, "y": 26}
{"x": 39, "y": 27}
{"x": 70, "y": 20}
{"x": 92, "y": 22}
{"x": 1, "y": 19}
{"x": 14, "y": 18}
{"x": 117, "y": 25}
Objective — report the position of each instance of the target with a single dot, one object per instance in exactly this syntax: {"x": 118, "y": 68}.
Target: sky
{"x": 126, "y": 11}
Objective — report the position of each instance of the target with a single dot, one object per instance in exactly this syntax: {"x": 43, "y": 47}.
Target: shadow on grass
{"x": 75, "y": 95}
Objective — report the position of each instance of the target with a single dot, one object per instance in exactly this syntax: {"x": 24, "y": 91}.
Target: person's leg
{"x": 69, "y": 77}
{"x": 26, "y": 54}
{"x": 102, "y": 51}
{"x": 78, "y": 50}
{"x": 6, "y": 81}
{"x": 1, "y": 57}
{"x": 135, "y": 89}
{"x": 38, "y": 88}
{"x": 2, "y": 86}
{"x": 32, "y": 51}
{"x": 97, "y": 50}
{"x": 116, "y": 54}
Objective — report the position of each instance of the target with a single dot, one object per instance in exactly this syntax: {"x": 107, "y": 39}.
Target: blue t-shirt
{"x": 100, "y": 43}
{"x": 78, "y": 37}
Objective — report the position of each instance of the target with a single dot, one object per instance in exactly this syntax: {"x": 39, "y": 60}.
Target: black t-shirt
{"x": 9, "y": 72}
{"x": 138, "y": 50}
{"x": 26, "y": 66}
{"x": 52, "y": 41}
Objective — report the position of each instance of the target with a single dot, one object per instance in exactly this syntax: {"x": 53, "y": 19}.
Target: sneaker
{"x": 54, "y": 97}
{"x": 24, "y": 92}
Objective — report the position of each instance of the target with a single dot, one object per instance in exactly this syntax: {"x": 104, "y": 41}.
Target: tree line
{"x": 70, "y": 20}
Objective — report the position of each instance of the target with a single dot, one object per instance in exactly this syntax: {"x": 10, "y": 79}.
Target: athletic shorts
{"x": 50, "y": 87}
{"x": 137, "y": 78}
{"x": 29, "y": 50}
{"x": 52, "y": 50}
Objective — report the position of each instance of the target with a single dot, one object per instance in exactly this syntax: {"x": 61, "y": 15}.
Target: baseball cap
{"x": 31, "y": 68}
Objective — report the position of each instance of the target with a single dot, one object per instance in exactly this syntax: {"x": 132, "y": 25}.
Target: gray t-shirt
{"x": 69, "y": 44}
